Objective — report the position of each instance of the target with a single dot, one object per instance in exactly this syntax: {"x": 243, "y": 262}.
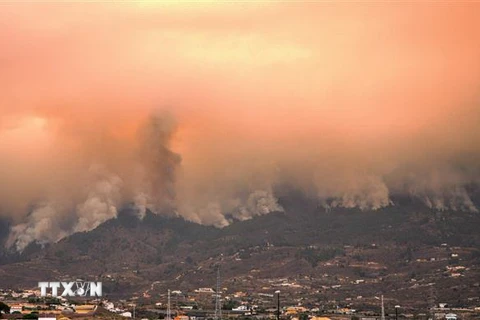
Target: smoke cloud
{"x": 202, "y": 110}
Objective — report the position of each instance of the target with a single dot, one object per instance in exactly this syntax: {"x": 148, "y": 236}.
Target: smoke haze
{"x": 202, "y": 109}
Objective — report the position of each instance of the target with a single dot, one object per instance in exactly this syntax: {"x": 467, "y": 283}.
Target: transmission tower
{"x": 169, "y": 312}
{"x": 432, "y": 302}
{"x": 218, "y": 298}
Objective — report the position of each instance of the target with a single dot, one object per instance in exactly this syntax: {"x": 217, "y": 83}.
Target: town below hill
{"x": 333, "y": 264}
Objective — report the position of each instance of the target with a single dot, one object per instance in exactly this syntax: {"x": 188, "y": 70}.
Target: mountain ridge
{"x": 131, "y": 253}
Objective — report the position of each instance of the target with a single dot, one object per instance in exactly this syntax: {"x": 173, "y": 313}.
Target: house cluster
{"x": 26, "y": 302}
{"x": 199, "y": 304}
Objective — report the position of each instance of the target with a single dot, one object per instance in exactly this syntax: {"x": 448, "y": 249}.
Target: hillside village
{"x": 325, "y": 264}
{"x": 197, "y": 305}
{"x": 330, "y": 294}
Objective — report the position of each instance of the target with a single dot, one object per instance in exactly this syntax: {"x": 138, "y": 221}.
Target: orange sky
{"x": 338, "y": 99}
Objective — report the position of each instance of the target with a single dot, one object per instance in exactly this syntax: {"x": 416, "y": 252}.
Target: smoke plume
{"x": 203, "y": 110}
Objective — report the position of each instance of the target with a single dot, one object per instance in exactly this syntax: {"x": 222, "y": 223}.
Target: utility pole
{"x": 432, "y": 301}
{"x": 218, "y": 296}
{"x": 278, "y": 304}
{"x": 383, "y": 310}
{"x": 169, "y": 312}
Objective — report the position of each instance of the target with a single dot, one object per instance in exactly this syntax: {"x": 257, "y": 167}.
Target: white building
{"x": 205, "y": 290}
{"x": 451, "y": 316}
{"x": 240, "y": 308}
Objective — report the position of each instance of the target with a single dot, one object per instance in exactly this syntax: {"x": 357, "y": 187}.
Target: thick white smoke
{"x": 98, "y": 195}
{"x": 259, "y": 202}
{"x": 43, "y": 225}
{"x": 352, "y": 190}
{"x": 353, "y": 105}
{"x": 443, "y": 188}
{"x": 103, "y": 199}
{"x": 152, "y": 177}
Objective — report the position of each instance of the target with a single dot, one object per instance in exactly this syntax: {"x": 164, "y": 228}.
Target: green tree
{"x": 230, "y": 304}
{"x": 4, "y": 307}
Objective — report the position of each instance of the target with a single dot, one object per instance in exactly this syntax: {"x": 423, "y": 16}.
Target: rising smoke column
{"x": 158, "y": 165}
{"x": 147, "y": 179}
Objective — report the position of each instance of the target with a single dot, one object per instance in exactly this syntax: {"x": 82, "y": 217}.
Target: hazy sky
{"x": 204, "y": 108}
